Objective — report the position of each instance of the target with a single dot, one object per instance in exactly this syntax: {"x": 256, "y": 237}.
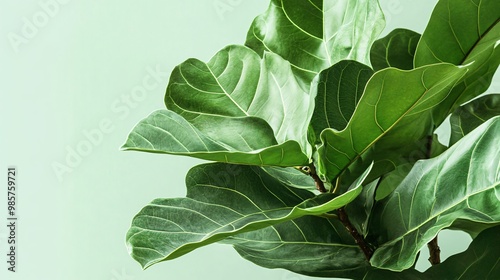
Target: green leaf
{"x": 467, "y": 117}
{"x": 338, "y": 89}
{"x": 391, "y": 180}
{"x": 360, "y": 208}
{"x": 461, "y": 184}
{"x": 482, "y": 64}
{"x": 397, "y": 50}
{"x": 236, "y": 108}
{"x": 378, "y": 274}
{"x": 463, "y": 32}
{"x": 455, "y": 30}
{"x": 246, "y": 140}
{"x": 479, "y": 261}
{"x": 222, "y": 200}
{"x": 291, "y": 177}
{"x": 237, "y": 83}
{"x": 314, "y": 35}
{"x": 309, "y": 245}
{"x": 395, "y": 110}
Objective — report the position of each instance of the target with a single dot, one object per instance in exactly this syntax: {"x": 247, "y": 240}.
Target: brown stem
{"x": 320, "y": 186}
{"x": 367, "y": 250}
{"x": 428, "y": 146}
{"x": 433, "y": 246}
{"x": 434, "y": 251}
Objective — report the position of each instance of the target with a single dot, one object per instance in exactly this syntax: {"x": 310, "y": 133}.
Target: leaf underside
{"x": 222, "y": 201}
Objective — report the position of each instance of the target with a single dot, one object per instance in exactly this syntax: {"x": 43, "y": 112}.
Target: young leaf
{"x": 479, "y": 261}
{"x": 338, "y": 90}
{"x": 314, "y": 35}
{"x": 222, "y": 200}
{"x": 397, "y": 50}
{"x": 395, "y": 110}
{"x": 246, "y": 140}
{"x": 237, "y": 83}
{"x": 471, "y": 115}
{"x": 460, "y": 184}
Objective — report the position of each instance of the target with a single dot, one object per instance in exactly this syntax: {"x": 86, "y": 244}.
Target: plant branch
{"x": 428, "y": 146}
{"x": 367, "y": 250}
{"x": 320, "y": 186}
{"x": 434, "y": 250}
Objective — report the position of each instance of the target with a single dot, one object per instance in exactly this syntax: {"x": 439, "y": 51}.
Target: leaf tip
{"x": 125, "y": 147}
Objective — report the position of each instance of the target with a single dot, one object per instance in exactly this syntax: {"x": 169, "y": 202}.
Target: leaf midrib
{"x": 481, "y": 36}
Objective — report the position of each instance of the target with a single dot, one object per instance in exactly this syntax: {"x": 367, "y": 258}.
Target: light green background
{"x": 82, "y": 67}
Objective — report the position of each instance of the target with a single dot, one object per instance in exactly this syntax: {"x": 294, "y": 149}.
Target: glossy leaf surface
{"x": 461, "y": 184}
{"x": 338, "y": 90}
{"x": 455, "y": 30}
{"x": 397, "y": 50}
{"x": 395, "y": 109}
{"x": 463, "y": 32}
{"x": 237, "y": 83}
{"x": 314, "y": 35}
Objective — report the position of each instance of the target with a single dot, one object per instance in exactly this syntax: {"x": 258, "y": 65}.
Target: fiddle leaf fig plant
{"x": 321, "y": 137}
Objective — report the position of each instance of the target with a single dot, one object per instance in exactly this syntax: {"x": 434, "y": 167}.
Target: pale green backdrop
{"x": 75, "y": 78}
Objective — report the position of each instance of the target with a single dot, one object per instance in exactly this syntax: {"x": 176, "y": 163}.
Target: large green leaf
{"x": 314, "y": 35}
{"x": 394, "y": 111}
{"x": 463, "y": 32}
{"x": 471, "y": 115}
{"x": 220, "y": 204}
{"x": 309, "y": 245}
{"x": 333, "y": 255}
{"x": 397, "y": 49}
{"x": 237, "y": 83}
{"x": 338, "y": 90}
{"x": 236, "y": 108}
{"x": 479, "y": 261}
{"x": 463, "y": 183}
{"x": 455, "y": 30}
{"x": 247, "y": 140}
